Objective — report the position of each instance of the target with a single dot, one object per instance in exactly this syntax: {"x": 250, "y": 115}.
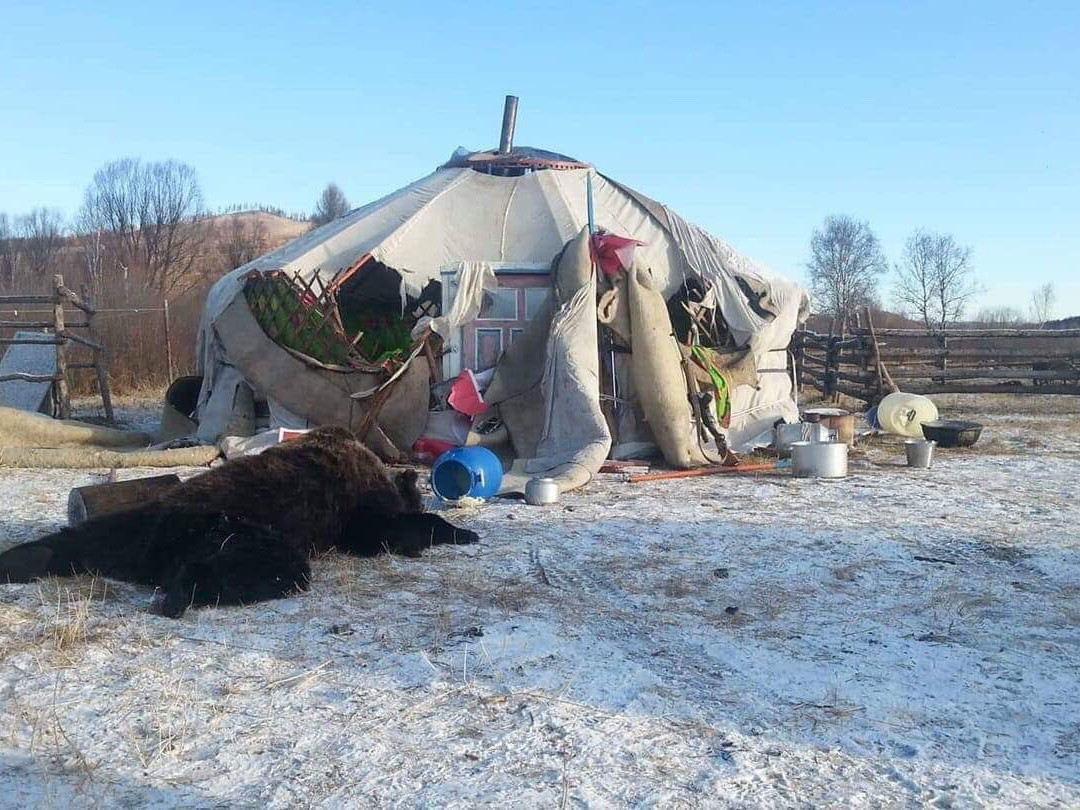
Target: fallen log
{"x": 116, "y": 496}
{"x": 87, "y": 458}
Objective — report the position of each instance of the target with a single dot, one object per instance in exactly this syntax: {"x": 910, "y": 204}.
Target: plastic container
{"x": 903, "y": 414}
{"x": 919, "y": 453}
{"x": 466, "y": 472}
{"x": 871, "y": 418}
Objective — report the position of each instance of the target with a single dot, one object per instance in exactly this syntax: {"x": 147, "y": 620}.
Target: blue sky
{"x": 755, "y": 120}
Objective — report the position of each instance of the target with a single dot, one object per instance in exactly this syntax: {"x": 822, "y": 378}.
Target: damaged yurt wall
{"x": 434, "y": 252}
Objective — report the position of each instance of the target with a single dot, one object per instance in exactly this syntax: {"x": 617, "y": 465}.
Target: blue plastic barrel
{"x": 473, "y": 472}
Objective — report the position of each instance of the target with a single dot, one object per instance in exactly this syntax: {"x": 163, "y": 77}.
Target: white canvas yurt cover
{"x": 466, "y": 227}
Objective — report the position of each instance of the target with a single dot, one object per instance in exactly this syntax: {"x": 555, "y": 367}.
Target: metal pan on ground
{"x": 952, "y": 432}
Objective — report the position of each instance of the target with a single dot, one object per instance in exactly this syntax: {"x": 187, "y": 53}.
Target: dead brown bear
{"x": 243, "y": 532}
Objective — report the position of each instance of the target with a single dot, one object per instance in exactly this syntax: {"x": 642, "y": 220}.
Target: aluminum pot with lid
{"x": 541, "y": 491}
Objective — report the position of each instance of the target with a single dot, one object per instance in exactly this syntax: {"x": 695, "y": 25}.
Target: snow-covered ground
{"x": 896, "y": 638}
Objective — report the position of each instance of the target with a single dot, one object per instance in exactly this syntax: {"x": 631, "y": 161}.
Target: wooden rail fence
{"x": 61, "y": 336}
{"x": 867, "y": 364}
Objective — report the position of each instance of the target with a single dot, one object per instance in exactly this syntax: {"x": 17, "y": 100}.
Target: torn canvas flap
{"x": 472, "y": 279}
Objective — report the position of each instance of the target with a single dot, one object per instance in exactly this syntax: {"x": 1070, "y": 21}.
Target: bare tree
{"x": 331, "y": 205}
{"x": 146, "y": 215}
{"x": 935, "y": 279}
{"x": 243, "y": 239}
{"x": 845, "y": 264}
{"x": 41, "y": 234}
{"x": 1000, "y": 316}
{"x": 92, "y": 245}
{"x": 1042, "y": 303}
{"x": 9, "y": 253}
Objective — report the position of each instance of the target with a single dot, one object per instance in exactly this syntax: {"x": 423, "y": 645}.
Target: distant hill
{"x": 278, "y": 229}
{"x": 1072, "y": 322}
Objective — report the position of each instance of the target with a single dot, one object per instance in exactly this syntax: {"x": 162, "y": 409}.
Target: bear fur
{"x": 243, "y": 532}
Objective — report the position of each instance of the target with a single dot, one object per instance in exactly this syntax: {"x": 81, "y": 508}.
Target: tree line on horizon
{"x": 141, "y": 237}
{"x": 934, "y": 281}
{"x": 142, "y": 225}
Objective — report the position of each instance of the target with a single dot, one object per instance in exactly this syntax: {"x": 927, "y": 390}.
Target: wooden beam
{"x": 1030, "y": 355}
{"x": 75, "y": 301}
{"x": 26, "y": 299}
{"x": 20, "y": 376}
{"x": 97, "y": 347}
{"x": 987, "y": 375}
{"x": 958, "y": 388}
{"x": 37, "y": 325}
{"x": 978, "y": 333}
{"x": 45, "y": 341}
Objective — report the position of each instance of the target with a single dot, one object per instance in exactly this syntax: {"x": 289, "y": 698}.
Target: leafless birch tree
{"x": 935, "y": 279}
{"x": 845, "y": 264}
{"x": 1042, "y": 303}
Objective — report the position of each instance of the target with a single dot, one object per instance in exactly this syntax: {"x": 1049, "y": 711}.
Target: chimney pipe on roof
{"x": 506, "y": 139}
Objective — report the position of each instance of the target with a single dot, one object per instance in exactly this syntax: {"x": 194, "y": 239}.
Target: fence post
{"x": 832, "y": 366}
{"x": 168, "y": 344}
{"x": 943, "y": 340}
{"x": 63, "y": 396}
{"x": 99, "y": 358}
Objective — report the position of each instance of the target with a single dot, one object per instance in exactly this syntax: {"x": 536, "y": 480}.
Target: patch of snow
{"x": 899, "y": 637}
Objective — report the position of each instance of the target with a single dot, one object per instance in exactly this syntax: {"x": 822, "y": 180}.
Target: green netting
{"x": 299, "y": 319}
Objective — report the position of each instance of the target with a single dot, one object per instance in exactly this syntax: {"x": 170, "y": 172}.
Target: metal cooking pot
{"x": 785, "y": 435}
{"x": 819, "y": 459}
{"x": 541, "y": 491}
{"x": 835, "y": 419}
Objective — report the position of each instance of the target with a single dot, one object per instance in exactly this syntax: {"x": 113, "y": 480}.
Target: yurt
{"x": 516, "y": 298}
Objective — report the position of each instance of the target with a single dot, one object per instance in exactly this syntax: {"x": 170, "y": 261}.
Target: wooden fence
{"x": 61, "y": 336}
{"x": 867, "y": 363}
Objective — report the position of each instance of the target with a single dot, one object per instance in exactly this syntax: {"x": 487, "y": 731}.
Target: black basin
{"x": 952, "y": 432}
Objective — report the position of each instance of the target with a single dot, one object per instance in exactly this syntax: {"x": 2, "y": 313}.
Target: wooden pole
{"x": 98, "y": 356}
{"x": 944, "y": 362}
{"x": 799, "y": 354}
{"x": 63, "y": 396}
{"x": 884, "y": 381}
{"x": 168, "y": 343}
